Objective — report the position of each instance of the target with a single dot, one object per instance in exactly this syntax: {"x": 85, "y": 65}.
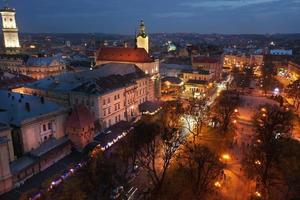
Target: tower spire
{"x": 142, "y": 40}
{"x": 10, "y": 30}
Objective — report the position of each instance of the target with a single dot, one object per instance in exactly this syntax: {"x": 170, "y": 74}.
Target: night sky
{"x": 122, "y": 16}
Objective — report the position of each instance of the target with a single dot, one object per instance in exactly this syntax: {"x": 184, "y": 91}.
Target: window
{"x": 108, "y": 111}
{"x": 103, "y": 101}
{"x": 108, "y": 100}
{"x": 44, "y": 127}
{"x": 104, "y": 112}
{"x": 116, "y": 119}
{"x": 49, "y": 126}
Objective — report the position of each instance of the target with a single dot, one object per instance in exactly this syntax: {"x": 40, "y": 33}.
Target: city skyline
{"x": 218, "y": 16}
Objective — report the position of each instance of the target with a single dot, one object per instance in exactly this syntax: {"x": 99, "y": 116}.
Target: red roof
{"x": 122, "y": 54}
{"x": 205, "y": 60}
{"x": 80, "y": 117}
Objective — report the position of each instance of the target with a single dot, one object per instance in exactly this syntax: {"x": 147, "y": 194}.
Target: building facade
{"x": 10, "y": 30}
{"x": 32, "y": 137}
{"x": 36, "y": 68}
{"x": 213, "y": 65}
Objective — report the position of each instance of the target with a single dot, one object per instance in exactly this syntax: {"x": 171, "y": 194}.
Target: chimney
{"x": 42, "y": 100}
{"x": 27, "y": 107}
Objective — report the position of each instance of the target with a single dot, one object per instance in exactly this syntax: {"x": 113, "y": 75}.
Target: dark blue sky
{"x": 122, "y": 16}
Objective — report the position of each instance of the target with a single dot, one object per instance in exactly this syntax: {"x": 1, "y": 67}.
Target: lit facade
{"x": 10, "y": 30}
{"x": 142, "y": 39}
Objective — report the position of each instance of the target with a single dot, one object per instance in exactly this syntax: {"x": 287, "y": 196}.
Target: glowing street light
{"x": 226, "y": 156}
{"x": 217, "y": 184}
{"x": 257, "y": 162}
{"x": 263, "y": 109}
{"x": 258, "y": 194}
{"x": 234, "y": 121}
{"x": 258, "y": 141}
{"x": 276, "y": 91}
{"x": 236, "y": 110}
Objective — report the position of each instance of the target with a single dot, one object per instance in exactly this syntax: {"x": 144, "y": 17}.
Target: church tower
{"x": 142, "y": 39}
{"x": 10, "y": 30}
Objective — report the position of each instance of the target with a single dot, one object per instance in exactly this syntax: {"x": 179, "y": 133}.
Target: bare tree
{"x": 203, "y": 169}
{"x": 293, "y": 90}
{"x": 195, "y": 116}
{"x": 157, "y": 152}
{"x": 225, "y": 108}
{"x": 273, "y": 125}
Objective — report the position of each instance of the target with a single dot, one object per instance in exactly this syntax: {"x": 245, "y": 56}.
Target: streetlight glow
{"x": 217, "y": 184}
{"x": 226, "y": 156}
{"x": 258, "y": 194}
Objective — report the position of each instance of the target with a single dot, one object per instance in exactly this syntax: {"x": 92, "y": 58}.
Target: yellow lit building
{"x": 10, "y": 30}
{"x": 142, "y": 39}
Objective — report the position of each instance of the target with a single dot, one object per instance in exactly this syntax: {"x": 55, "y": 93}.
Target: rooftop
{"x": 71, "y": 80}
{"x": 98, "y": 86}
{"x": 7, "y": 9}
{"x": 199, "y": 82}
{"x": 44, "y": 61}
{"x": 48, "y": 146}
{"x": 198, "y": 71}
{"x": 9, "y": 80}
{"x": 21, "y": 164}
{"x": 15, "y": 108}
{"x": 122, "y": 54}
{"x": 172, "y": 80}
{"x": 205, "y": 60}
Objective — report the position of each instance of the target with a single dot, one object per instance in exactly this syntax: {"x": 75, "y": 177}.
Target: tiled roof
{"x": 199, "y": 82}
{"x": 198, "y": 71}
{"x": 48, "y": 146}
{"x": 80, "y": 117}
{"x": 14, "y": 80}
{"x": 205, "y": 60}
{"x": 16, "y": 108}
{"x": 171, "y": 79}
{"x": 102, "y": 85}
{"x": 43, "y": 61}
{"x": 121, "y": 54}
{"x": 71, "y": 80}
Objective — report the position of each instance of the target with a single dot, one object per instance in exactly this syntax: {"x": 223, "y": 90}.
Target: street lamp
{"x": 258, "y": 194}
{"x": 226, "y": 156}
{"x": 263, "y": 109}
{"x": 257, "y": 162}
{"x": 217, "y": 184}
